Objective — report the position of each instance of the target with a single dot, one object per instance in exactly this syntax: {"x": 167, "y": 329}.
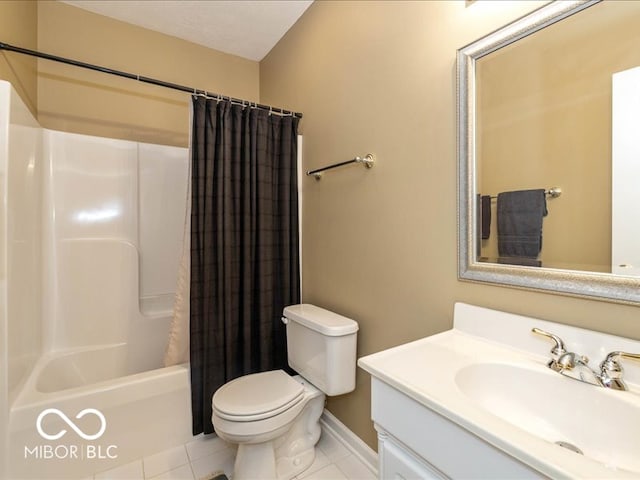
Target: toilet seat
{"x": 257, "y": 396}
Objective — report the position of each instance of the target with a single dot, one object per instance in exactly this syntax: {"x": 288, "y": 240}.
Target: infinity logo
{"x": 97, "y": 413}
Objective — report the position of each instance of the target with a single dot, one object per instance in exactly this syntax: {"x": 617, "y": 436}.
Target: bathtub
{"x": 143, "y": 412}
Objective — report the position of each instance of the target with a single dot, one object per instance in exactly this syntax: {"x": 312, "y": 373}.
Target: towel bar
{"x": 368, "y": 162}
{"x": 553, "y": 192}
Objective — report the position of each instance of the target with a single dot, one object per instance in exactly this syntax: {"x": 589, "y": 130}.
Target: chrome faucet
{"x": 572, "y": 365}
{"x": 611, "y": 370}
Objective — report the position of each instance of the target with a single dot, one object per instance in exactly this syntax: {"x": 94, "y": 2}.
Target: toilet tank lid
{"x": 321, "y": 320}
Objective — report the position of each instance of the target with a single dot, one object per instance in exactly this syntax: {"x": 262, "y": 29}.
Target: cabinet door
{"x": 399, "y": 464}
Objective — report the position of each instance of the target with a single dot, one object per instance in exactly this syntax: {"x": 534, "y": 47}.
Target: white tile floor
{"x": 207, "y": 455}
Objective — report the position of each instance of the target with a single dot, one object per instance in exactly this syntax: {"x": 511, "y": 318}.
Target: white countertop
{"x": 426, "y": 371}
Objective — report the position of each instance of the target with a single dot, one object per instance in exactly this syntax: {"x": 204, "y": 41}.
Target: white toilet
{"x": 273, "y": 417}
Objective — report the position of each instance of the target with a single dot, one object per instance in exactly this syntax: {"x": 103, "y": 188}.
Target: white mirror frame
{"x": 592, "y": 285}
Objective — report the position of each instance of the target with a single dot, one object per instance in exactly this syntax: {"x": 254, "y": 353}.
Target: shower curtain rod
{"x": 140, "y": 78}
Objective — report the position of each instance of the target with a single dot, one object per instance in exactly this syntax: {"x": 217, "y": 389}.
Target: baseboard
{"x": 350, "y": 440}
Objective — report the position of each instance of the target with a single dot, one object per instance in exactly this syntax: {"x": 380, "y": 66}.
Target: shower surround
{"x": 91, "y": 237}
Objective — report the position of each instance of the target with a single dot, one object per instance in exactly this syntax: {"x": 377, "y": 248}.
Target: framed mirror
{"x": 549, "y": 152}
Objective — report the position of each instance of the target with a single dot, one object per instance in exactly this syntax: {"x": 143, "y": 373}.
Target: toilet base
{"x": 295, "y": 451}
{"x": 289, "y": 468}
{"x": 286, "y": 456}
{"x": 255, "y": 460}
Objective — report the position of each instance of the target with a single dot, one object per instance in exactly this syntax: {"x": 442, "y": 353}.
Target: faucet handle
{"x": 611, "y": 371}
{"x": 558, "y": 350}
{"x": 611, "y": 364}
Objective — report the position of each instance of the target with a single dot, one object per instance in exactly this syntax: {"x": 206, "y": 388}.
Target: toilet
{"x": 274, "y": 417}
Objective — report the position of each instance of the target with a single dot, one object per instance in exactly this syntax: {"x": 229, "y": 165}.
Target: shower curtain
{"x": 244, "y": 245}
{"x": 177, "y": 350}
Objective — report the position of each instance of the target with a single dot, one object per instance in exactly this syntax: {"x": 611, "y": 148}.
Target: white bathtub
{"x": 89, "y": 301}
{"x": 144, "y": 412}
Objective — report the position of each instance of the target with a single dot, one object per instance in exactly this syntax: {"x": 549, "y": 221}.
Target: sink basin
{"x": 603, "y": 424}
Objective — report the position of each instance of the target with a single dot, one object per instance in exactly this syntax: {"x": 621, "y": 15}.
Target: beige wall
{"x": 545, "y": 116}
{"x": 18, "y": 27}
{"x": 93, "y": 103}
{"x": 380, "y": 245}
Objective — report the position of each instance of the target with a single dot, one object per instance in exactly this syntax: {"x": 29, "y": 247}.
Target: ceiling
{"x": 247, "y": 28}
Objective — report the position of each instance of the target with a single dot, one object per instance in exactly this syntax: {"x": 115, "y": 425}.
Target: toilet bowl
{"x": 276, "y": 438}
{"x": 274, "y": 417}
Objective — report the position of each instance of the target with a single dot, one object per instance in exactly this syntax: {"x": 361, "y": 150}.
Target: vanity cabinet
{"x": 417, "y": 443}
{"x": 397, "y": 462}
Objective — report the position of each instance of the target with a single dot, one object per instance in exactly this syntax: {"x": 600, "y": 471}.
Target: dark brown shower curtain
{"x": 244, "y": 245}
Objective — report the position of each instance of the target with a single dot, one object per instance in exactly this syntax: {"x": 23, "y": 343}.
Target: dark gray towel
{"x": 486, "y": 216}
{"x": 520, "y": 223}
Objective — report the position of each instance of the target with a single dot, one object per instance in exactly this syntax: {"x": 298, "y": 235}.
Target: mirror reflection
{"x": 560, "y": 109}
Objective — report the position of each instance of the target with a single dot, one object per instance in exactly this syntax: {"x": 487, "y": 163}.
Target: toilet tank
{"x": 321, "y": 347}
